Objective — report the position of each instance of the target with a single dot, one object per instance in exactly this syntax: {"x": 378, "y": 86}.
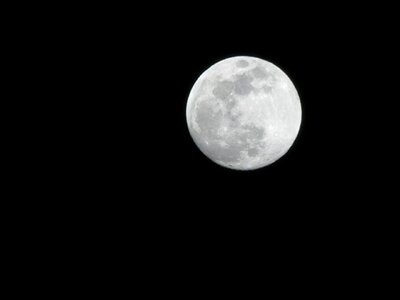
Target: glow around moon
{"x": 243, "y": 113}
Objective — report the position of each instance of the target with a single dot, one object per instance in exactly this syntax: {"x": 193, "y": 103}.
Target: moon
{"x": 243, "y": 113}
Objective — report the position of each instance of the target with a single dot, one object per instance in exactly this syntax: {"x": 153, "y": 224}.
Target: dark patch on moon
{"x": 253, "y": 132}
{"x": 208, "y": 120}
{"x": 242, "y": 64}
{"x": 267, "y": 89}
{"x": 252, "y": 152}
{"x": 231, "y": 152}
{"x": 234, "y": 119}
{"x": 242, "y": 85}
{"x": 260, "y": 73}
{"x": 223, "y": 89}
{"x": 227, "y": 149}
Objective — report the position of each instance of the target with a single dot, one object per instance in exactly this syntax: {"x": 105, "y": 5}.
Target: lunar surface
{"x": 243, "y": 113}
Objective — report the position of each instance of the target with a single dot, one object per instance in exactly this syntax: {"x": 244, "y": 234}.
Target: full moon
{"x": 243, "y": 113}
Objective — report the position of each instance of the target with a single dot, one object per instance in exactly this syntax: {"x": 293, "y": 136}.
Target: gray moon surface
{"x": 243, "y": 113}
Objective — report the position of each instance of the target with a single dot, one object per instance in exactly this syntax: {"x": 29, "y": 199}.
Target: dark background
{"x": 137, "y": 74}
{"x": 134, "y": 71}
{"x": 128, "y": 186}
{"x": 138, "y": 168}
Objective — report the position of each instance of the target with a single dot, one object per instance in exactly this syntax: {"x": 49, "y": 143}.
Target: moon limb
{"x": 243, "y": 113}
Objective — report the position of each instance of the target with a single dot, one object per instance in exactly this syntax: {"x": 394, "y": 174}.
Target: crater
{"x": 242, "y": 64}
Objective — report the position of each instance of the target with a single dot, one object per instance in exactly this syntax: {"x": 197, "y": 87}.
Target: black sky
{"x": 137, "y": 74}
{"x": 124, "y": 176}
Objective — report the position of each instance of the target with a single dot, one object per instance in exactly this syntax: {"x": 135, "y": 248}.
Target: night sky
{"x": 138, "y": 144}
{"x": 134, "y": 173}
